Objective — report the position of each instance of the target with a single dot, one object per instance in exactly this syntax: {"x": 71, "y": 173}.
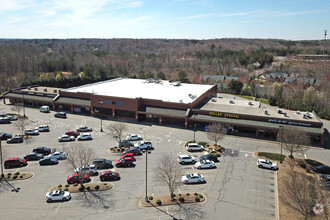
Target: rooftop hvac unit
{"x": 304, "y": 116}
{"x": 308, "y": 114}
{"x": 279, "y": 111}
{"x": 231, "y": 101}
{"x": 213, "y": 100}
{"x": 29, "y": 88}
{"x": 298, "y": 112}
{"x": 55, "y": 90}
{"x": 45, "y": 90}
{"x": 250, "y": 103}
{"x": 266, "y": 112}
{"x": 35, "y": 88}
{"x": 285, "y": 114}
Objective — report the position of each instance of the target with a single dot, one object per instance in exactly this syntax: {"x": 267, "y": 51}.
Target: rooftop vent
{"x": 45, "y": 90}
{"x": 266, "y": 112}
{"x": 279, "y": 111}
{"x": 231, "y": 101}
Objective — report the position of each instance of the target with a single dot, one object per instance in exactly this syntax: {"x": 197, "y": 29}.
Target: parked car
{"x": 325, "y": 177}
{"x": 65, "y": 138}
{"x": 134, "y": 150}
{"x": 88, "y": 169}
{"x": 125, "y": 143}
{"x": 125, "y": 162}
{"x": 5, "y": 136}
{"x": 72, "y": 133}
{"x": 212, "y": 152}
{"x": 194, "y": 147}
{"x": 33, "y": 156}
{"x": 229, "y": 130}
{"x": 10, "y": 117}
{"x": 263, "y": 163}
{"x": 102, "y": 163}
{"x": 42, "y": 150}
{"x": 193, "y": 178}
{"x": 84, "y": 129}
{"x": 185, "y": 158}
{"x": 209, "y": 157}
{"x": 60, "y": 115}
{"x": 85, "y": 137}
{"x": 48, "y": 161}
{"x": 109, "y": 175}
{"x": 59, "y": 155}
{"x": 205, "y": 164}
{"x": 124, "y": 155}
{"x": 77, "y": 178}
{"x": 134, "y": 137}
{"x": 144, "y": 145}
{"x": 322, "y": 169}
{"x": 31, "y": 132}
{"x": 15, "y": 162}
{"x": 58, "y": 195}
{"x": 42, "y": 128}
{"x": 4, "y": 120}
{"x": 15, "y": 139}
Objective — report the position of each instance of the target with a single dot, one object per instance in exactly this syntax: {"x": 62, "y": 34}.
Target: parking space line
{"x": 57, "y": 207}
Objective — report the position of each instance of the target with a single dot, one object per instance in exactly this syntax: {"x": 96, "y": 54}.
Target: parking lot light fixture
{"x": 146, "y": 152}
{"x": 281, "y": 160}
{"x": 101, "y": 102}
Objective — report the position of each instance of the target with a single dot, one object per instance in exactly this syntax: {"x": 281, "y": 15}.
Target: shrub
{"x": 67, "y": 185}
{"x": 173, "y": 195}
{"x": 122, "y": 150}
{"x": 88, "y": 188}
{"x": 14, "y": 177}
{"x": 76, "y": 184}
{"x": 21, "y": 176}
{"x": 202, "y": 143}
{"x": 105, "y": 184}
{"x": 59, "y": 186}
{"x": 313, "y": 162}
{"x": 302, "y": 164}
{"x": 197, "y": 199}
{"x": 17, "y": 173}
{"x": 118, "y": 150}
{"x": 200, "y": 196}
{"x": 66, "y": 189}
{"x": 181, "y": 199}
{"x": 150, "y": 198}
{"x": 8, "y": 174}
{"x": 187, "y": 194}
{"x": 97, "y": 187}
{"x": 115, "y": 147}
{"x": 179, "y": 194}
{"x": 81, "y": 188}
{"x": 195, "y": 194}
{"x": 158, "y": 202}
{"x": 272, "y": 156}
{"x": 112, "y": 148}
{"x": 172, "y": 200}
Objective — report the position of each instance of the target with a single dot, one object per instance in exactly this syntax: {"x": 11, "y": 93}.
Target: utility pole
{"x": 325, "y": 41}
{"x": 2, "y": 175}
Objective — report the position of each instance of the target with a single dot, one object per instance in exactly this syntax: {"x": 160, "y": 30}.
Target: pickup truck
{"x": 144, "y": 145}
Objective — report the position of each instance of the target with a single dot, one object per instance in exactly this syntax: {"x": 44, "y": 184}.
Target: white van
{"x": 44, "y": 108}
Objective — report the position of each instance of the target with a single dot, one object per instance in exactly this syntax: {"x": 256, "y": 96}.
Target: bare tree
{"x": 168, "y": 171}
{"x": 117, "y": 130}
{"x": 294, "y": 139}
{"x": 216, "y": 133}
{"x": 300, "y": 192}
{"x": 79, "y": 156}
{"x": 17, "y": 108}
{"x": 21, "y": 124}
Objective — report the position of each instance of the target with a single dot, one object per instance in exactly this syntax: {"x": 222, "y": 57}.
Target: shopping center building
{"x": 167, "y": 103}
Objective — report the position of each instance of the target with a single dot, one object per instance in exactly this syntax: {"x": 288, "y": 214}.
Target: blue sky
{"x": 171, "y": 19}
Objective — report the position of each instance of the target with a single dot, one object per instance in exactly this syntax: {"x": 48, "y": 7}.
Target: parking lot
{"x": 236, "y": 189}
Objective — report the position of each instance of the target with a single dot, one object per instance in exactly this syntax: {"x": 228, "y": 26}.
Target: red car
{"x": 125, "y": 155}
{"x": 125, "y": 162}
{"x": 15, "y": 162}
{"x": 75, "y": 178}
{"x": 72, "y": 133}
{"x": 109, "y": 175}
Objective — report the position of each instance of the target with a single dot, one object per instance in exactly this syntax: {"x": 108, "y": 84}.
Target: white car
{"x": 42, "y": 128}
{"x": 143, "y": 145}
{"x": 85, "y": 137}
{"x": 134, "y": 137}
{"x": 84, "y": 129}
{"x": 59, "y": 155}
{"x": 185, "y": 158}
{"x": 65, "y": 138}
{"x": 58, "y": 195}
{"x": 205, "y": 164}
{"x": 263, "y": 163}
{"x": 194, "y": 147}
{"x": 31, "y": 132}
{"x": 193, "y": 178}
{"x": 88, "y": 169}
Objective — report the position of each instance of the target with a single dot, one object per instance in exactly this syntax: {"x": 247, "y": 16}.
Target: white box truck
{"x": 44, "y": 109}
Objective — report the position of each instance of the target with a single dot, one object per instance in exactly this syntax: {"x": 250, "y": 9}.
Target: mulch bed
{"x": 74, "y": 188}
{"x": 17, "y": 176}
{"x": 166, "y": 200}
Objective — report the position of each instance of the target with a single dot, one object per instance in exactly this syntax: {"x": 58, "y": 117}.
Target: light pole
{"x": 101, "y": 102}
{"x": 2, "y": 175}
{"x": 146, "y": 151}
{"x": 23, "y": 106}
{"x": 281, "y": 144}
{"x": 194, "y": 110}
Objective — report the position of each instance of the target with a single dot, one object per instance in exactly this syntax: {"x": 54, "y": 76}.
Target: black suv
{"x": 134, "y": 150}
{"x": 5, "y": 136}
{"x": 16, "y": 139}
{"x": 102, "y": 163}
{"x": 60, "y": 115}
{"x": 42, "y": 150}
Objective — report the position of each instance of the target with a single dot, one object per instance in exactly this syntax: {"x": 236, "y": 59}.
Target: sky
{"x": 167, "y": 19}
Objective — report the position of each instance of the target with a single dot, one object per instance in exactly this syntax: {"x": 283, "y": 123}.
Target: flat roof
{"x": 148, "y": 89}
{"x": 248, "y": 107}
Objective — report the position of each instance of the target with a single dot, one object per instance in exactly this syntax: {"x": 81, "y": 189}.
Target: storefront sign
{"x": 226, "y": 115}
{"x": 279, "y": 121}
